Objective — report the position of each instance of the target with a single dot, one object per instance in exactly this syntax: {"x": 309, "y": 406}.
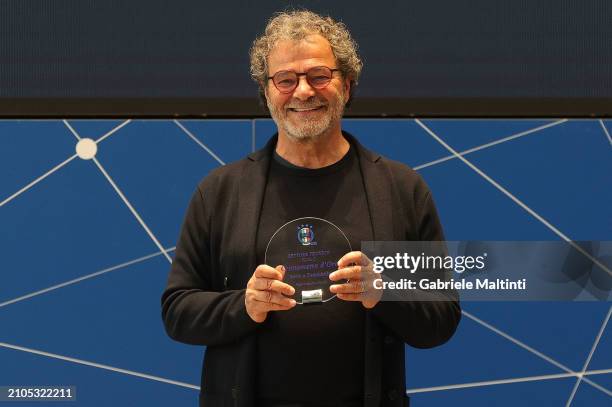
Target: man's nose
{"x": 303, "y": 91}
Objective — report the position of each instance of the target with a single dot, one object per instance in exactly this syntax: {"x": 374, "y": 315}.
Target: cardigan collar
{"x": 268, "y": 149}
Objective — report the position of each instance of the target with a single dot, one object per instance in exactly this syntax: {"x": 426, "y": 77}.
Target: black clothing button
{"x": 392, "y": 394}
{"x": 368, "y": 395}
{"x": 389, "y": 340}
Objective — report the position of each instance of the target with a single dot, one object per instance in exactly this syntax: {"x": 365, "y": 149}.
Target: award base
{"x": 312, "y": 297}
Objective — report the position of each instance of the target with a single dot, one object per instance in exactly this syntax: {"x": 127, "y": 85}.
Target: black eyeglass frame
{"x": 298, "y": 74}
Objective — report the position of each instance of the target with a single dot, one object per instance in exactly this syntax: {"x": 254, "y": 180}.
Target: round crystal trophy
{"x": 309, "y": 248}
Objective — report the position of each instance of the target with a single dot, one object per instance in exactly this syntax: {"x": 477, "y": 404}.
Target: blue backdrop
{"x": 86, "y": 244}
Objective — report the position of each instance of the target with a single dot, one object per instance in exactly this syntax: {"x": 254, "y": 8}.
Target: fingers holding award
{"x": 267, "y": 292}
{"x": 358, "y": 271}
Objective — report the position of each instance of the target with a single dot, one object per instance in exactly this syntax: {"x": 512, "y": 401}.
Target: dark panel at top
{"x": 191, "y": 57}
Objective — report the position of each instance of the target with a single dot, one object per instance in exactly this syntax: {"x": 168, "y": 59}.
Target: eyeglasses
{"x": 318, "y": 77}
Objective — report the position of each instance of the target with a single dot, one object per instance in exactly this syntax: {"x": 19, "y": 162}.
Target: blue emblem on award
{"x": 305, "y": 235}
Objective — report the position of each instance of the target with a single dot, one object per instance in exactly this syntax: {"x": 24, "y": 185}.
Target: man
{"x": 262, "y": 348}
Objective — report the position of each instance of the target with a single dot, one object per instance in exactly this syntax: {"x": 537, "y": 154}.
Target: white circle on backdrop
{"x": 86, "y": 149}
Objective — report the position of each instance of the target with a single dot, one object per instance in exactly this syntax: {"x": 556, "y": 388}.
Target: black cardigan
{"x": 203, "y": 303}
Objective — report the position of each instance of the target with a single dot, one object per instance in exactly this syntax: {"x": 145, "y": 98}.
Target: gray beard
{"x": 309, "y": 129}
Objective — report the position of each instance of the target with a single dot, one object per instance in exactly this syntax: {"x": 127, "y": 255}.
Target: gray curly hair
{"x": 296, "y": 25}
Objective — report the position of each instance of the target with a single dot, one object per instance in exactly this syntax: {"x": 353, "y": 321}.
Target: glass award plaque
{"x": 309, "y": 248}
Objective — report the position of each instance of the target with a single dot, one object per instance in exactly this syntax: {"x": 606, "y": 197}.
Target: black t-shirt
{"x": 313, "y": 354}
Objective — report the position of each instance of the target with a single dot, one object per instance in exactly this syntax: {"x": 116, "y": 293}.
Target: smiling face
{"x": 306, "y": 113}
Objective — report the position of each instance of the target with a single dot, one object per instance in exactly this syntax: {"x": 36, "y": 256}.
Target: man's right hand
{"x": 266, "y": 292}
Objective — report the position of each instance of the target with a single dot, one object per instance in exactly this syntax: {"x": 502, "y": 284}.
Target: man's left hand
{"x": 358, "y": 269}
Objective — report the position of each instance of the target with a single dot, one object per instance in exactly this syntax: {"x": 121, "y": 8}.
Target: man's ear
{"x": 265, "y": 90}
{"x": 263, "y": 95}
{"x": 347, "y": 88}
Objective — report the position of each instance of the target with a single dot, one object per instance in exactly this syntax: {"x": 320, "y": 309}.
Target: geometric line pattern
{"x": 588, "y": 360}
{"x": 532, "y": 350}
{"x": 487, "y": 145}
{"x": 120, "y": 193}
{"x": 515, "y": 199}
{"x": 85, "y": 277}
{"x": 441, "y": 160}
{"x": 98, "y": 365}
{"x": 513, "y": 380}
{"x": 198, "y": 142}
{"x": 605, "y": 129}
